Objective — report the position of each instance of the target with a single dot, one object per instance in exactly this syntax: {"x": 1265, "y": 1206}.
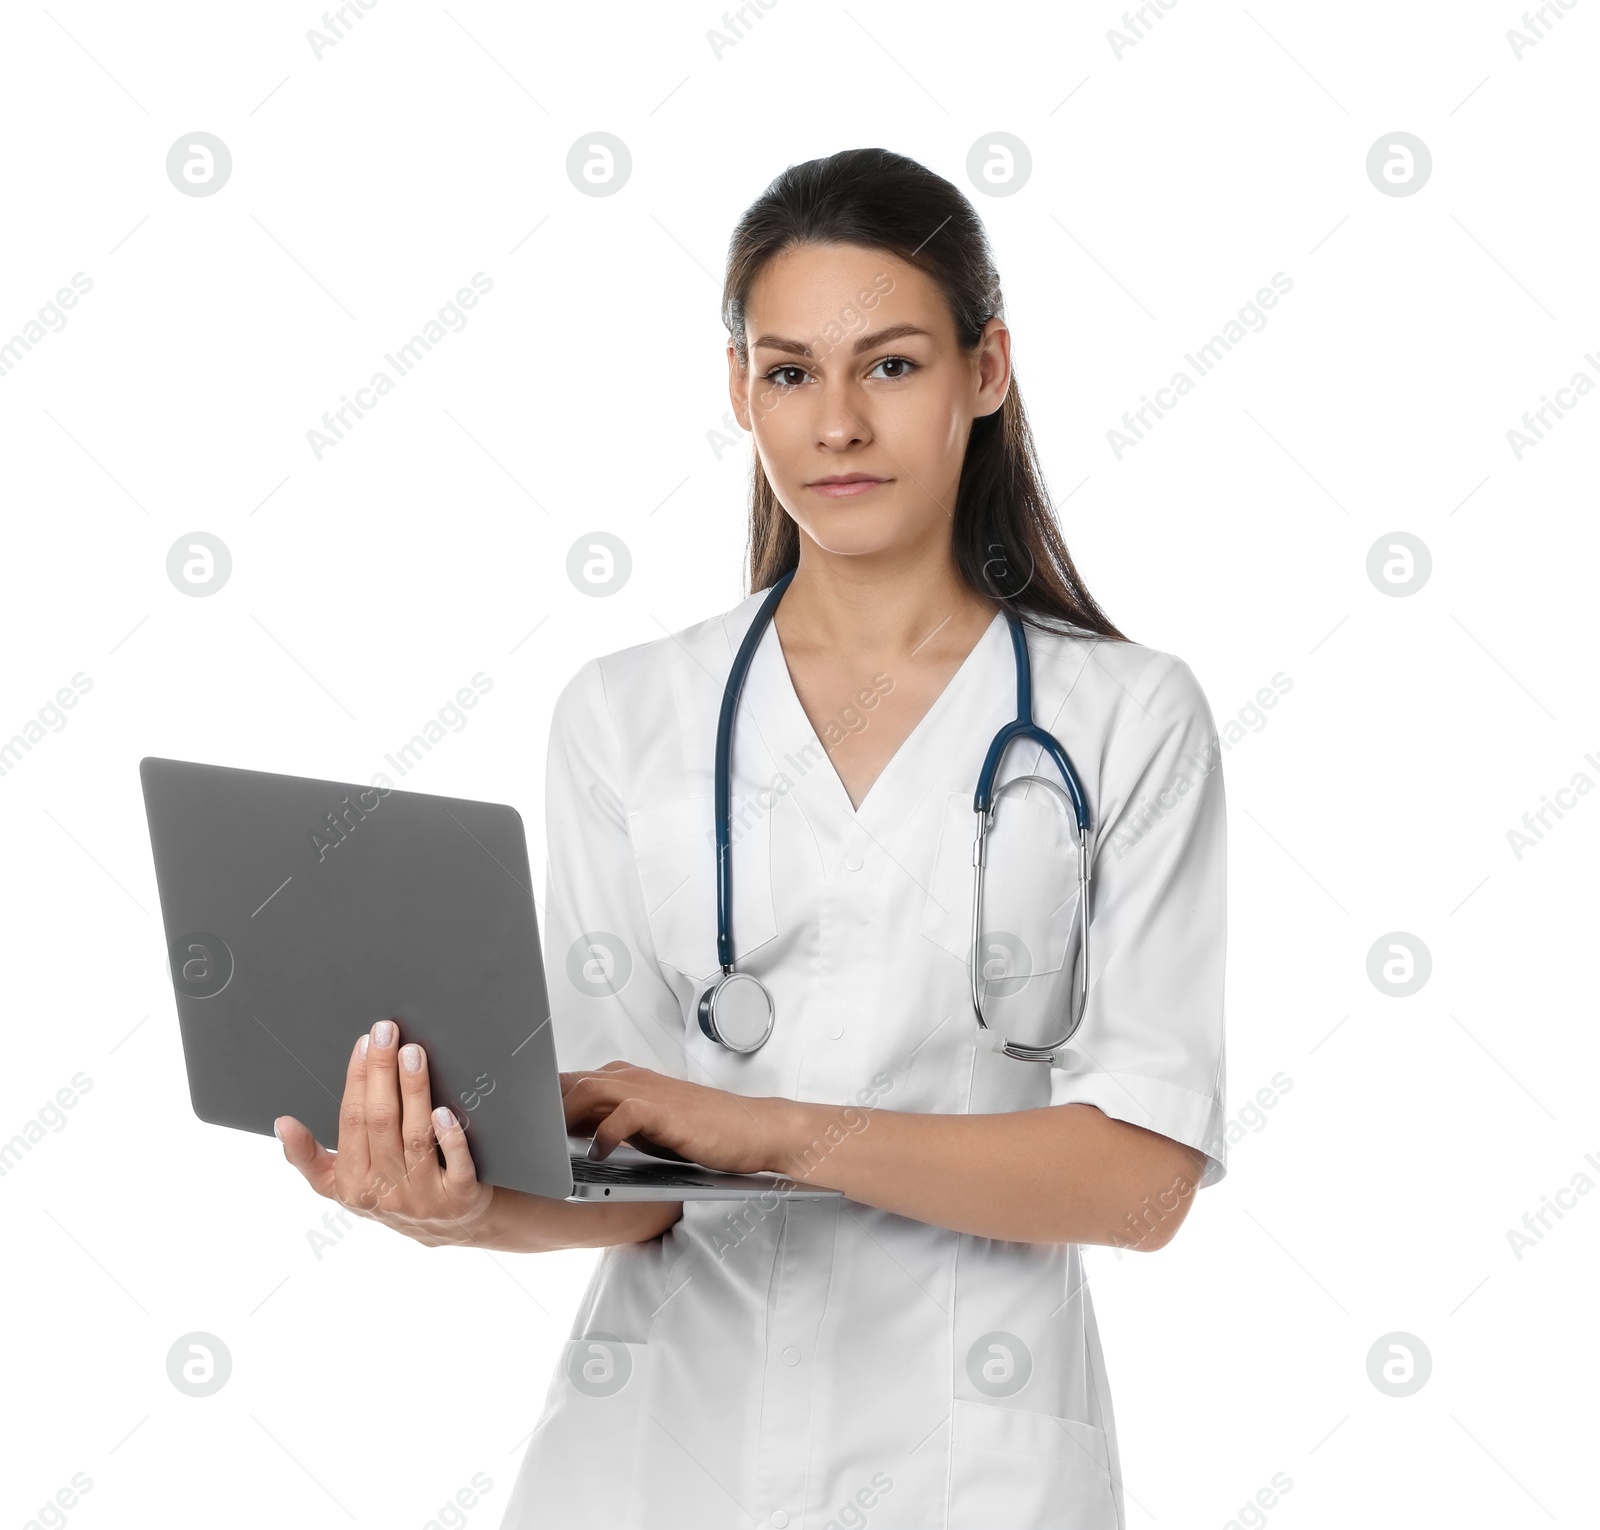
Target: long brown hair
{"x": 1007, "y": 543}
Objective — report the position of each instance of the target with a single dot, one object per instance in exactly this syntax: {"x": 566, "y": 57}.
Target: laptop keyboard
{"x": 587, "y": 1171}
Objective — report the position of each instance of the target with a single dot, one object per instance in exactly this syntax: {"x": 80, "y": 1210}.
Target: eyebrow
{"x": 865, "y": 343}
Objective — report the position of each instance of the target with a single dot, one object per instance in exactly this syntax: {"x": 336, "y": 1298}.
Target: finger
{"x": 416, "y": 1122}
{"x": 302, "y": 1149}
{"x": 631, "y": 1116}
{"x": 353, "y": 1167}
{"x": 589, "y": 1098}
{"x": 460, "y": 1173}
{"x": 579, "y": 1074}
{"x": 382, "y": 1107}
{"x": 655, "y": 1149}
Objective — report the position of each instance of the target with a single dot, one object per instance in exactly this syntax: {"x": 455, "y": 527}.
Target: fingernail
{"x": 361, "y": 1046}
{"x": 383, "y": 1033}
{"x": 594, "y": 1142}
{"x": 276, "y": 1133}
{"x": 443, "y": 1119}
{"x": 411, "y": 1057}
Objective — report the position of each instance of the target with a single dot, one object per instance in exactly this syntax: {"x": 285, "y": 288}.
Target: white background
{"x": 1167, "y": 186}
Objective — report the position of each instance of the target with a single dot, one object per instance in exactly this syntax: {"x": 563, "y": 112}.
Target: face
{"x": 860, "y": 399}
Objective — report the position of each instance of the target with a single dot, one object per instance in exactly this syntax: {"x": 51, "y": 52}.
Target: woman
{"x": 920, "y": 1352}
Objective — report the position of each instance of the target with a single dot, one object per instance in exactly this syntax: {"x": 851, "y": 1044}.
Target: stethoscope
{"x": 736, "y": 1010}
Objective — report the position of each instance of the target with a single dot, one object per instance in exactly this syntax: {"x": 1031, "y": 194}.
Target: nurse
{"x": 920, "y": 1353}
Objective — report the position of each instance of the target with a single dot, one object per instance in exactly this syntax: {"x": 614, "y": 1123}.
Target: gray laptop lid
{"x": 298, "y": 911}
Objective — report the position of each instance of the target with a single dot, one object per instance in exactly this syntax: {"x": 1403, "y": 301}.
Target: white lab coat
{"x": 821, "y": 1365}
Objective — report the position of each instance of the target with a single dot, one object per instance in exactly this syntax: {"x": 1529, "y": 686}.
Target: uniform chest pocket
{"x": 1011, "y": 1466}
{"x": 1030, "y": 894}
{"x": 674, "y": 845}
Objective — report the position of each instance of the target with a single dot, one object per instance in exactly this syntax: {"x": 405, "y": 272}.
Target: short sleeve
{"x": 1150, "y": 1049}
{"x": 608, "y": 998}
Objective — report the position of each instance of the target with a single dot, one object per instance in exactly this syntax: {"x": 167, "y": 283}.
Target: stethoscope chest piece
{"x": 736, "y": 1010}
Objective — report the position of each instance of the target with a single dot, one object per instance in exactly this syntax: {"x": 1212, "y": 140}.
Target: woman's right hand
{"x": 386, "y": 1168}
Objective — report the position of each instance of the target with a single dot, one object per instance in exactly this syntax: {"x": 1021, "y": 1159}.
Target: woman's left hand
{"x": 732, "y": 1132}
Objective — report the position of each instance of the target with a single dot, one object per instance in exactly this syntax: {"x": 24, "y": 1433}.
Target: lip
{"x": 844, "y": 485}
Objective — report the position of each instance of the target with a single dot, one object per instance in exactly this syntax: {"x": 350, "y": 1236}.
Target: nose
{"x": 841, "y": 415}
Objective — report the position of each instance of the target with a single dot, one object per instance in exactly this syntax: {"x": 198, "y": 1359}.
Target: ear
{"x": 993, "y": 366}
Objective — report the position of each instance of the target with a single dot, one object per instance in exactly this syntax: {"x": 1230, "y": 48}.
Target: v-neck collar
{"x": 770, "y": 698}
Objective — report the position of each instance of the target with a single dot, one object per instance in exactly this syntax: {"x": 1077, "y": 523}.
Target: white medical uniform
{"x": 817, "y": 1365}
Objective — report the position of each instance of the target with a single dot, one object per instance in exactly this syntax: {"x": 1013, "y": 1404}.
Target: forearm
{"x": 1060, "y": 1174}
{"x": 536, "y": 1224}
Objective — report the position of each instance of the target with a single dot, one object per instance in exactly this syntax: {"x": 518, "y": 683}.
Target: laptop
{"x": 297, "y": 912}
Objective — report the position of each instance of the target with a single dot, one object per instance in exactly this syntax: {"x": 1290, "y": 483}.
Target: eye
{"x": 785, "y": 382}
{"x": 903, "y": 362}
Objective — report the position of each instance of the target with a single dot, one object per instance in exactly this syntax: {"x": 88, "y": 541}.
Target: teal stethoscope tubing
{"x": 1022, "y": 726}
